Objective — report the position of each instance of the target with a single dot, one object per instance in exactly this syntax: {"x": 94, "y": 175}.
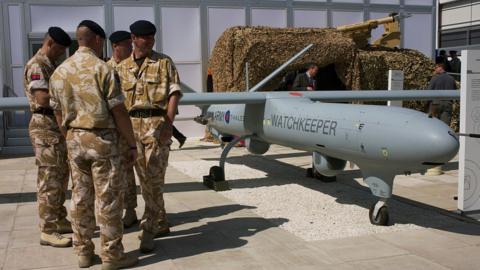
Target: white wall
{"x": 269, "y": 17}
{"x": 66, "y": 17}
{"x": 220, "y": 19}
{"x": 124, "y": 16}
{"x": 310, "y": 18}
{"x": 181, "y": 40}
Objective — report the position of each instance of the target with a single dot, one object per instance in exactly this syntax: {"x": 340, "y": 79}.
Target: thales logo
{"x": 227, "y": 117}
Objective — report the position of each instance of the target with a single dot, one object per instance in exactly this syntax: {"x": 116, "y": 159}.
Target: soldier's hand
{"x": 167, "y": 130}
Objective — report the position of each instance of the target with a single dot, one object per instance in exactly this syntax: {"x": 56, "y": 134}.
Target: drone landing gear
{"x": 379, "y": 213}
{"x": 311, "y": 173}
{"x": 216, "y": 178}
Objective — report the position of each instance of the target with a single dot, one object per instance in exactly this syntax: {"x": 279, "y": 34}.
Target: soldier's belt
{"x": 146, "y": 113}
{"x": 44, "y": 111}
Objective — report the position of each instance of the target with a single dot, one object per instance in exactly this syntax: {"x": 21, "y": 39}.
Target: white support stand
{"x": 469, "y": 155}
{"x": 395, "y": 82}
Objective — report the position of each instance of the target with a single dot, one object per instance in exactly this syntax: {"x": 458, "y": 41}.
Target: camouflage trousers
{"x": 98, "y": 184}
{"x": 151, "y": 166}
{"x": 130, "y": 200}
{"x": 52, "y": 180}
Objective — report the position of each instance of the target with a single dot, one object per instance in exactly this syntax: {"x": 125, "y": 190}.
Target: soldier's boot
{"x": 55, "y": 240}
{"x": 85, "y": 261}
{"x": 434, "y": 171}
{"x": 163, "y": 229}
{"x": 161, "y": 232}
{"x": 124, "y": 262}
{"x": 147, "y": 243}
{"x": 130, "y": 218}
{"x": 64, "y": 226}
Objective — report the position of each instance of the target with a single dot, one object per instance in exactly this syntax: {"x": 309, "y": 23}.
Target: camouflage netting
{"x": 265, "y": 49}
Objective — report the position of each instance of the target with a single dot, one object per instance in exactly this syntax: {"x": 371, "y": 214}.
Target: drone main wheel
{"x": 381, "y": 219}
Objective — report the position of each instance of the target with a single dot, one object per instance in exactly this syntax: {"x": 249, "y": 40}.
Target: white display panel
{"x": 66, "y": 17}
{"x": 393, "y": 2}
{"x": 220, "y": 19}
{"x": 469, "y": 154}
{"x": 16, "y": 35}
{"x": 346, "y": 17}
{"x": 377, "y": 32}
{"x": 269, "y": 17}
{"x": 191, "y": 74}
{"x": 310, "y": 18}
{"x": 123, "y": 16}
{"x": 419, "y": 2}
{"x": 17, "y": 76}
{"x": 417, "y": 33}
{"x": 181, "y": 33}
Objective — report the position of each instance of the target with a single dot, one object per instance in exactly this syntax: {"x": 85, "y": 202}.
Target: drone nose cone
{"x": 442, "y": 144}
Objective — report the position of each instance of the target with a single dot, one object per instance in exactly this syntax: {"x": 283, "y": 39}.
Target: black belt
{"x": 146, "y": 113}
{"x": 44, "y": 111}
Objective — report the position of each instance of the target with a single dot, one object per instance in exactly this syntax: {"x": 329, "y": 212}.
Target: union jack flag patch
{"x": 35, "y": 76}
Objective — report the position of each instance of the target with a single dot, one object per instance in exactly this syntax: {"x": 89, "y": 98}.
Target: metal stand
{"x": 216, "y": 178}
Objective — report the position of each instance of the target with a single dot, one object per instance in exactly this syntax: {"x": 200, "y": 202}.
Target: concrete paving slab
{"x": 36, "y": 257}
{"x": 463, "y": 258}
{"x": 420, "y": 241}
{"x": 398, "y": 263}
{"x": 358, "y": 248}
{"x": 7, "y": 212}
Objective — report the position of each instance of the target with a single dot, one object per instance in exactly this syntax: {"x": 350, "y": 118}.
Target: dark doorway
{"x": 327, "y": 79}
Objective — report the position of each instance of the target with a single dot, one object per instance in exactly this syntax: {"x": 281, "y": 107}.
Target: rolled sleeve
{"x": 174, "y": 78}
{"x": 35, "y": 78}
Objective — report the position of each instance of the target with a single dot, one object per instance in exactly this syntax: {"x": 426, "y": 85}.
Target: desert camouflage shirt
{"x": 150, "y": 85}
{"x": 36, "y": 76}
{"x": 84, "y": 88}
{"x": 113, "y": 64}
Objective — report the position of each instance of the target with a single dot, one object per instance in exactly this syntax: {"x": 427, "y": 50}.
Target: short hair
{"x": 443, "y": 52}
{"x": 452, "y": 52}
{"x": 442, "y": 65}
{"x": 312, "y": 65}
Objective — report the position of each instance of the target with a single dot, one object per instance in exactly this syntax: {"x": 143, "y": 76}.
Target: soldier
{"x": 151, "y": 86}
{"x": 121, "y": 49}
{"x": 89, "y": 107}
{"x": 47, "y": 140}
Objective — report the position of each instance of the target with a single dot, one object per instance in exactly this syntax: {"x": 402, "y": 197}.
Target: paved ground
{"x": 212, "y": 231}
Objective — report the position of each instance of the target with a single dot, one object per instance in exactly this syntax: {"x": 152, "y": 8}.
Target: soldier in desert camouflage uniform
{"x": 150, "y": 83}
{"x": 121, "y": 49}
{"x": 47, "y": 140}
{"x": 89, "y": 104}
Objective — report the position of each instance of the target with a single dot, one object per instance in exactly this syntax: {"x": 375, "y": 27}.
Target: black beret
{"x": 143, "y": 28}
{"x": 94, "y": 27}
{"x": 59, "y": 36}
{"x": 119, "y": 36}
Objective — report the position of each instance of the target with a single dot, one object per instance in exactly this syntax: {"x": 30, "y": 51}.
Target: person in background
{"x": 441, "y": 109}
{"x": 455, "y": 64}
{"x": 306, "y": 81}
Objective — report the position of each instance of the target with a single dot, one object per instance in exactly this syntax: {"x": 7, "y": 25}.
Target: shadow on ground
{"x": 216, "y": 235}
